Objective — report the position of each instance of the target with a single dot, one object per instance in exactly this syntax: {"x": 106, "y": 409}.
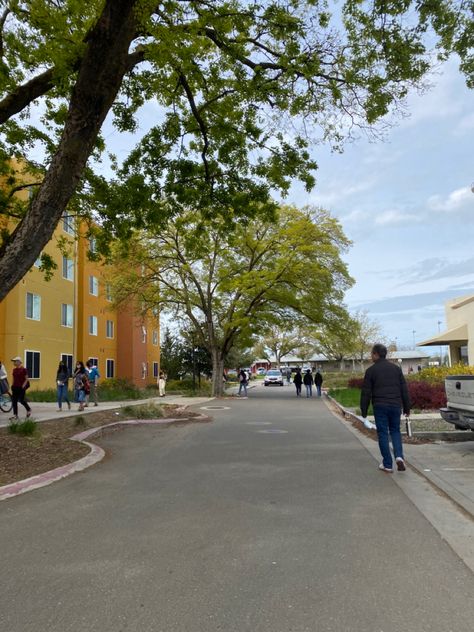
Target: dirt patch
{"x": 23, "y": 457}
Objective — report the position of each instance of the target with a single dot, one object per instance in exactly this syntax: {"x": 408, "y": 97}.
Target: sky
{"x": 406, "y": 203}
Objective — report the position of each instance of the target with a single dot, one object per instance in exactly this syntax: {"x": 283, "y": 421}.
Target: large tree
{"x": 231, "y": 285}
{"x": 240, "y": 90}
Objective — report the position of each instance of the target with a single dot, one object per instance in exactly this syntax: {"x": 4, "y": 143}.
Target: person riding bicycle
{"x": 4, "y": 385}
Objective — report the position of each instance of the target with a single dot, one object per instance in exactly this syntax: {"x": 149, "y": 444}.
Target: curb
{"x": 95, "y": 455}
{"x": 463, "y": 503}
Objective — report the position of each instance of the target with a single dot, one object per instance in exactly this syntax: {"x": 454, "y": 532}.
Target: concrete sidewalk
{"x": 448, "y": 465}
{"x": 46, "y": 411}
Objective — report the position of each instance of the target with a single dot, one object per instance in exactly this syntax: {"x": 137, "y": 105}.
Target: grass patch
{"x": 26, "y": 428}
{"x": 349, "y": 398}
{"x": 142, "y": 411}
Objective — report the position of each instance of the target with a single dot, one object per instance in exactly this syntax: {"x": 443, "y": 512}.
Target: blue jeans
{"x": 243, "y": 385}
{"x": 387, "y": 420}
{"x": 62, "y": 395}
{"x": 309, "y": 390}
{"x": 318, "y": 388}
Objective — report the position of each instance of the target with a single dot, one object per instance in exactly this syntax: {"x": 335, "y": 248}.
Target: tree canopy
{"x": 231, "y": 285}
{"x": 239, "y": 92}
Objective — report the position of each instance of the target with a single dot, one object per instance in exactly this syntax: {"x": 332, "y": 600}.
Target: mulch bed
{"x": 23, "y": 457}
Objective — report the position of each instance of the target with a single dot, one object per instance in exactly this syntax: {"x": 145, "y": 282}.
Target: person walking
{"x": 318, "y": 380}
{"x": 308, "y": 382}
{"x": 288, "y": 376}
{"x": 81, "y": 384}
{"x": 385, "y": 385}
{"x": 162, "y": 384}
{"x": 298, "y": 381}
{"x": 19, "y": 385}
{"x": 62, "y": 382}
{"x": 243, "y": 381}
{"x": 93, "y": 375}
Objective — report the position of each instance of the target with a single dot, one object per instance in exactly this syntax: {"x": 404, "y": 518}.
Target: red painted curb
{"x": 95, "y": 455}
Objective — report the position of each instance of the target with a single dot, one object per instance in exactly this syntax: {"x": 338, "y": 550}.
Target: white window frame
{"x": 68, "y": 223}
{"x": 95, "y": 361}
{"x": 68, "y": 320}
{"x": 155, "y": 337}
{"x": 68, "y": 268}
{"x": 144, "y": 334}
{"x": 109, "y": 324}
{"x": 108, "y": 292}
{"x": 93, "y": 325}
{"x": 93, "y": 245}
{"x": 107, "y": 373}
{"x": 35, "y": 306}
{"x": 30, "y": 373}
{"x": 93, "y": 285}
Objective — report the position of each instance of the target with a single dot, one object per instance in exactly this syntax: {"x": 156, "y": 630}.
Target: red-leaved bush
{"x": 355, "y": 382}
{"x": 426, "y": 396}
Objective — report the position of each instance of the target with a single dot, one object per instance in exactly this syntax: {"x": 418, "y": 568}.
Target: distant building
{"x": 459, "y": 335}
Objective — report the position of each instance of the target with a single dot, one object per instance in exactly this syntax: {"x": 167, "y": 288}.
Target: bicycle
{"x": 5, "y": 402}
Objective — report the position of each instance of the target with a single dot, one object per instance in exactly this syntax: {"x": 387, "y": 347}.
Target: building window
{"x": 108, "y": 291}
{"x": 93, "y": 245}
{"x": 68, "y": 269}
{"x": 95, "y": 361}
{"x": 155, "y": 337}
{"x": 155, "y": 369}
{"x": 110, "y": 368}
{"x": 144, "y": 370}
{"x": 66, "y": 315}
{"x": 68, "y": 224}
{"x": 33, "y": 364}
{"x": 143, "y": 334}
{"x": 67, "y": 359}
{"x": 33, "y": 306}
{"x": 93, "y": 325}
{"x": 109, "y": 329}
{"x": 93, "y": 285}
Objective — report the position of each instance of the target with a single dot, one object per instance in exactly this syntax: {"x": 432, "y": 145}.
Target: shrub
{"x": 355, "y": 382}
{"x": 436, "y": 374}
{"x": 143, "y": 411}
{"x": 426, "y": 396}
{"x": 25, "y": 428}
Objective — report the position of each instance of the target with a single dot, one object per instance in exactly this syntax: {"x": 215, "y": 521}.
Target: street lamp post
{"x": 414, "y": 332}
{"x": 440, "y": 347}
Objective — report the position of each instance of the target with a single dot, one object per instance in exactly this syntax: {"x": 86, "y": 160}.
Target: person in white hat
{"x": 19, "y": 385}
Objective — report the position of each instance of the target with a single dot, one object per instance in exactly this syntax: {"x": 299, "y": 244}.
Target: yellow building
{"x": 71, "y": 318}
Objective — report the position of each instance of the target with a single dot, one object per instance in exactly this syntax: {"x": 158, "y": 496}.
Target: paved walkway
{"x": 45, "y": 411}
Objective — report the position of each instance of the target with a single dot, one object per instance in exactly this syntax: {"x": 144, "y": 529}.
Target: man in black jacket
{"x": 385, "y": 385}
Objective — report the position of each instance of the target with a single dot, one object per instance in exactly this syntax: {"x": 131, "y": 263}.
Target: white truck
{"x": 459, "y": 409}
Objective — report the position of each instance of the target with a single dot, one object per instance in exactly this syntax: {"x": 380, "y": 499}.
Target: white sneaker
{"x": 389, "y": 470}
{"x": 400, "y": 464}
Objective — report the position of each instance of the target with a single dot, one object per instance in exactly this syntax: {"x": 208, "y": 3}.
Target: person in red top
{"x": 19, "y": 386}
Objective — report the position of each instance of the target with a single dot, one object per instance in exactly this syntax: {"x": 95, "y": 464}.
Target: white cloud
{"x": 466, "y": 124}
{"x": 396, "y": 217}
{"x": 454, "y": 201}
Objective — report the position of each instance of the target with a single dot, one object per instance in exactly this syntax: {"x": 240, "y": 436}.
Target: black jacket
{"x": 318, "y": 378}
{"x": 308, "y": 379}
{"x": 384, "y": 384}
{"x": 298, "y": 379}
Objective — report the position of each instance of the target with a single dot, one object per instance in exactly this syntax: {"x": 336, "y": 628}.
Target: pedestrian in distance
{"x": 162, "y": 384}
{"x": 243, "y": 381}
{"x": 93, "y": 375}
{"x": 62, "y": 382}
{"x": 385, "y": 386}
{"x": 81, "y": 384}
{"x": 318, "y": 380}
{"x": 288, "y": 376}
{"x": 298, "y": 381}
{"x": 19, "y": 385}
{"x": 4, "y": 385}
{"x": 308, "y": 382}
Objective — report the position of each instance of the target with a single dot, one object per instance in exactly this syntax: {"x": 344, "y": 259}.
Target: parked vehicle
{"x": 273, "y": 376}
{"x": 459, "y": 409}
{"x": 261, "y": 371}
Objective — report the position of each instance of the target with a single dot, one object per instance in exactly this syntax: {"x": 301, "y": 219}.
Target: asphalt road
{"x": 233, "y": 527}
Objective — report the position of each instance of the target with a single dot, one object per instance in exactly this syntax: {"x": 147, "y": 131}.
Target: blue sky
{"x": 407, "y": 205}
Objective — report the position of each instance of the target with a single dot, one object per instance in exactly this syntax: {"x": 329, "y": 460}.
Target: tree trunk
{"x": 99, "y": 79}
{"x": 217, "y": 373}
